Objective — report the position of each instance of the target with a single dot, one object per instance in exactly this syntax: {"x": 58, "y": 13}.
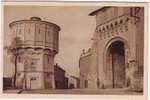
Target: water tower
{"x": 35, "y": 44}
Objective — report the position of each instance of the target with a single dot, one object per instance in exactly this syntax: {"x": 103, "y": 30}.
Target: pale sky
{"x": 77, "y": 28}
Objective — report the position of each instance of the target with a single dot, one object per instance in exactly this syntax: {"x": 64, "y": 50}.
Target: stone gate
{"x": 117, "y": 49}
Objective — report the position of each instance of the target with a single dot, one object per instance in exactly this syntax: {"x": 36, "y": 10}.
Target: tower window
{"x": 86, "y": 83}
{"x": 34, "y": 64}
{"x": 19, "y": 60}
{"x": 19, "y": 31}
{"x": 33, "y": 78}
{"x": 48, "y": 33}
{"x": 48, "y": 74}
{"x": 29, "y": 30}
{"x": 39, "y": 31}
{"x": 47, "y": 59}
{"x": 19, "y": 74}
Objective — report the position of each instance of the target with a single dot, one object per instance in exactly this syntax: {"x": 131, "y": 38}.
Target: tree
{"x": 14, "y": 50}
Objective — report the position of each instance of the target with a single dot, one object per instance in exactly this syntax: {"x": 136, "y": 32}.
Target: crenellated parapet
{"x": 112, "y": 28}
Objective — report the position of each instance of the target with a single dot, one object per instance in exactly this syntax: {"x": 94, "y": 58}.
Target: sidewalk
{"x": 12, "y": 91}
{"x": 84, "y": 91}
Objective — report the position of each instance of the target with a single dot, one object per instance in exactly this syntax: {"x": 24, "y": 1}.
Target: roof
{"x": 33, "y": 19}
{"x": 98, "y": 10}
{"x": 58, "y": 67}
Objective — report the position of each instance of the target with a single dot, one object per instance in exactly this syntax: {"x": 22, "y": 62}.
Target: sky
{"x": 77, "y": 28}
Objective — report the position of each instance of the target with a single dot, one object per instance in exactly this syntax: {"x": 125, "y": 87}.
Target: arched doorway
{"x": 115, "y": 65}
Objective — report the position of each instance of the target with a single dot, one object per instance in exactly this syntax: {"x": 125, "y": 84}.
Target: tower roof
{"x": 33, "y": 19}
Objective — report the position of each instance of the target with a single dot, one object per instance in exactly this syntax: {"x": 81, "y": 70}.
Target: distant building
{"x": 35, "y": 52}
{"x": 85, "y": 65}
{"x": 117, "y": 52}
{"x": 73, "y": 82}
{"x": 61, "y": 81}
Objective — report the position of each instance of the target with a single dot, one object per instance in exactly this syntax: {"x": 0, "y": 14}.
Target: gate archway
{"x": 116, "y": 56}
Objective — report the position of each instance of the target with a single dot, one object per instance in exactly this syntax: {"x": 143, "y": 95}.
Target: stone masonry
{"x": 116, "y": 56}
{"x": 35, "y": 55}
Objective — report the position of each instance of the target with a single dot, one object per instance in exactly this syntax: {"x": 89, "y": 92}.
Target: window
{"x": 107, "y": 27}
{"x": 48, "y": 74}
{"x": 34, "y": 64}
{"x": 47, "y": 59}
{"x": 33, "y": 78}
{"x": 39, "y": 31}
{"x": 19, "y": 59}
{"x": 29, "y": 30}
{"x": 19, "y": 74}
{"x": 86, "y": 83}
{"x": 48, "y": 33}
{"x": 19, "y": 31}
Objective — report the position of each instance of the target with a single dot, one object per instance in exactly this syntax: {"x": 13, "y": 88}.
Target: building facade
{"x": 118, "y": 49}
{"x": 73, "y": 82}
{"x": 61, "y": 81}
{"x": 34, "y": 46}
{"x": 85, "y": 65}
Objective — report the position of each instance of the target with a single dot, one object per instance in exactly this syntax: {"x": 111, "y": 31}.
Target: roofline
{"x": 59, "y": 68}
{"x": 100, "y": 9}
{"x": 23, "y": 21}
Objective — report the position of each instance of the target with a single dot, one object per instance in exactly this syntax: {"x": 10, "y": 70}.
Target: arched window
{"x": 107, "y": 27}
{"x": 86, "y": 83}
{"x": 103, "y": 29}
{"x": 48, "y": 33}
{"x": 19, "y": 59}
{"x": 116, "y": 23}
{"x": 48, "y": 59}
{"x": 29, "y": 31}
{"x": 39, "y": 31}
{"x": 19, "y": 31}
{"x": 111, "y": 25}
{"x": 121, "y": 21}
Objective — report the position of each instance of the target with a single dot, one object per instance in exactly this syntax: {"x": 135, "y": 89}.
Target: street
{"x": 116, "y": 91}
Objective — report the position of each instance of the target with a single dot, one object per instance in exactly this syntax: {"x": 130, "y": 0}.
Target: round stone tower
{"x": 34, "y": 46}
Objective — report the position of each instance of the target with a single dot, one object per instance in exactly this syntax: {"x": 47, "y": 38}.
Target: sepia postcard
{"x": 75, "y": 48}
